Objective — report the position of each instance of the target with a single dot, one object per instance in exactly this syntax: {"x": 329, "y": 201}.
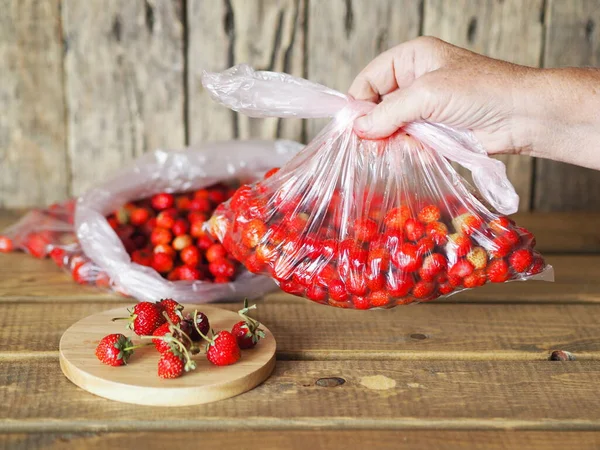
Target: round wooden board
{"x": 138, "y": 382}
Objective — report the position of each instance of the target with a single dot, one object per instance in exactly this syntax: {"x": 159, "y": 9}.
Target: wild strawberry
{"x": 223, "y": 349}
{"x": 521, "y": 260}
{"x": 166, "y": 219}
{"x": 181, "y": 242}
{"x": 433, "y": 264}
{"x": 204, "y": 242}
{"x": 200, "y": 204}
{"x": 162, "y": 262}
{"x": 375, "y": 279}
{"x": 438, "y": 231}
{"x": 182, "y": 202}
{"x": 455, "y": 280}
{"x": 190, "y": 255}
{"x": 144, "y": 319}
{"x": 170, "y": 366}
{"x": 172, "y": 308}
{"x": 361, "y": 302}
{"x": 459, "y": 245}
{"x": 445, "y": 288}
{"x": 365, "y": 230}
{"x": 407, "y": 258}
{"x": 497, "y": 271}
{"x": 478, "y": 257}
{"x": 413, "y": 229}
{"x": 399, "y": 284}
{"x": 202, "y": 323}
{"x": 378, "y": 299}
{"x": 162, "y": 201}
{"x": 503, "y": 244}
{"x": 253, "y": 232}
{"x": 165, "y": 248}
{"x": 160, "y": 236}
{"x": 337, "y": 290}
{"x": 142, "y": 257}
{"x": 378, "y": 259}
{"x": 197, "y": 216}
{"x": 223, "y": 267}
{"x": 467, "y": 223}
{"x": 461, "y": 269}
{"x": 114, "y": 350}
{"x": 291, "y": 287}
{"x": 214, "y": 252}
{"x": 425, "y": 245}
{"x": 180, "y": 227}
{"x": 396, "y": 217}
{"x": 499, "y": 225}
{"x": 248, "y": 331}
{"x": 511, "y": 237}
{"x": 189, "y": 273}
{"x": 139, "y": 216}
{"x": 271, "y": 172}
{"x": 429, "y": 213}
{"x": 476, "y": 279}
{"x": 423, "y": 289}
{"x": 538, "y": 264}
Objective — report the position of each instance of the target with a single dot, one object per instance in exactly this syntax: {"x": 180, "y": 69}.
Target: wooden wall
{"x": 85, "y": 86}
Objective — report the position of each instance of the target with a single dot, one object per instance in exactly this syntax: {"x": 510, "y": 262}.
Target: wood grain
{"x": 34, "y": 168}
{"x": 572, "y": 39}
{"x": 345, "y": 35}
{"x": 318, "y": 439}
{"x": 124, "y": 83}
{"x": 498, "y": 29}
{"x": 305, "y": 331}
{"x": 450, "y": 395}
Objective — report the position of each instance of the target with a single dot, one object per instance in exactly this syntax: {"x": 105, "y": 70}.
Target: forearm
{"x": 561, "y": 112}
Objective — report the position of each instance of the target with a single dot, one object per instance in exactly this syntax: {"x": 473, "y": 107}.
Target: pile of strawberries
{"x": 177, "y": 337}
{"x": 376, "y": 257}
{"x": 166, "y": 232}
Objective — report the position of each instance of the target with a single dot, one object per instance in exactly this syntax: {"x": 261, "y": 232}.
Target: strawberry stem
{"x": 137, "y": 346}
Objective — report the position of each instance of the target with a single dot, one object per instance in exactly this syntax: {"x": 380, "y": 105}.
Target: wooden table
{"x": 471, "y": 371}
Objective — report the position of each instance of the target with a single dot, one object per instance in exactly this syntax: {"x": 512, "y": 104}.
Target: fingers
{"x": 396, "y": 110}
{"x": 397, "y": 68}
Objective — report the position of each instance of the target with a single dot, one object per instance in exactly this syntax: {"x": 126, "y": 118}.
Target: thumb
{"x": 396, "y": 110}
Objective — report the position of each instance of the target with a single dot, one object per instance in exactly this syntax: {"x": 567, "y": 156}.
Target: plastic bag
{"x": 369, "y": 223}
{"x": 84, "y": 243}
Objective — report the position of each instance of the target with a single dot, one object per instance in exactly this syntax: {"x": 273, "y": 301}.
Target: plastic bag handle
{"x": 273, "y": 94}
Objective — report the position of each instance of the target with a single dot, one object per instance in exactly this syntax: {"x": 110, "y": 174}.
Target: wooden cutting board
{"x": 138, "y": 382}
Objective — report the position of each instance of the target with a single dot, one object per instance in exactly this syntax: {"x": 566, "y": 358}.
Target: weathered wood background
{"x": 85, "y": 86}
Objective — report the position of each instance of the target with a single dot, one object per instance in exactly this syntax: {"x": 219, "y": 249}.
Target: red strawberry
{"x": 407, "y": 258}
{"x": 217, "y": 196}
{"x": 396, "y": 217}
{"x": 114, "y": 350}
{"x": 162, "y": 262}
{"x": 223, "y": 267}
{"x": 240, "y": 198}
{"x": 223, "y": 349}
{"x": 379, "y": 299}
{"x": 497, "y": 271}
{"x": 162, "y": 345}
{"x": 166, "y": 219}
{"x": 170, "y": 365}
{"x": 253, "y": 232}
{"x": 215, "y": 252}
{"x": 477, "y": 278}
{"x": 375, "y": 279}
{"x": 165, "y": 248}
{"x": 365, "y": 230}
{"x": 254, "y": 264}
{"x": 429, "y": 213}
{"x": 180, "y": 227}
{"x": 271, "y": 172}
{"x": 316, "y": 293}
{"x": 337, "y": 290}
{"x": 538, "y": 264}
{"x": 378, "y": 259}
{"x": 399, "y": 284}
{"x": 438, "y": 231}
{"x": 499, "y": 225}
{"x": 423, "y": 289}
{"x": 58, "y": 256}
{"x": 361, "y": 302}
{"x": 413, "y": 229}
{"x": 458, "y": 245}
{"x": 526, "y": 237}
{"x": 467, "y": 223}
{"x": 201, "y": 193}
{"x": 190, "y": 255}
{"x": 266, "y": 253}
{"x": 425, "y": 245}
{"x": 521, "y": 260}
{"x": 189, "y": 273}
{"x": 461, "y": 269}
{"x": 37, "y": 244}
{"x": 182, "y": 202}
{"x": 200, "y": 204}
{"x": 478, "y": 257}
{"x": 160, "y": 236}
{"x": 142, "y": 257}
{"x": 445, "y": 288}
{"x": 139, "y": 216}
{"x": 432, "y": 265}
{"x": 162, "y": 201}
{"x": 291, "y": 287}
{"x": 248, "y": 331}
{"x": 144, "y": 319}
{"x": 172, "y": 308}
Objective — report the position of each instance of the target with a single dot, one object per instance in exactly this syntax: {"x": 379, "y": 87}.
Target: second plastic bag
{"x": 363, "y": 224}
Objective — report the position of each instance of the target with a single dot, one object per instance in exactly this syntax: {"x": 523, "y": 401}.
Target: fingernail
{"x": 363, "y": 124}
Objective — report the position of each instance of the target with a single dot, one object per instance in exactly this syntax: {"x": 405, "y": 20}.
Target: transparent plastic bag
{"x": 82, "y": 241}
{"x": 369, "y": 223}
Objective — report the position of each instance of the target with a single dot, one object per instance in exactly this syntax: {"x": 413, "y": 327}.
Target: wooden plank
{"x": 125, "y": 79}
{"x": 577, "y": 280}
{"x": 33, "y": 150}
{"x": 345, "y": 35}
{"x": 497, "y": 29}
{"x": 269, "y": 35}
{"x": 305, "y": 331}
{"x": 447, "y": 395}
{"x": 319, "y": 439}
{"x": 572, "y": 39}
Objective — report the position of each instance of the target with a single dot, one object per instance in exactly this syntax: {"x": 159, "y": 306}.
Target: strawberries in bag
{"x": 365, "y": 224}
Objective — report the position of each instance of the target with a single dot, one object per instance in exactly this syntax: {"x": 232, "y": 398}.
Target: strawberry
{"x": 379, "y": 299}
{"x": 254, "y": 264}
{"x": 413, "y": 229}
{"x": 189, "y": 273}
{"x": 162, "y": 201}
{"x": 375, "y": 279}
{"x": 170, "y": 366}
{"x": 182, "y": 202}
{"x": 142, "y": 257}
{"x": 378, "y": 259}
{"x": 433, "y": 264}
{"x": 499, "y": 225}
{"x": 36, "y": 244}
{"x": 475, "y": 279}
{"x": 58, "y": 255}
{"x": 162, "y": 345}
{"x": 160, "y": 236}
{"x": 215, "y": 252}
{"x": 166, "y": 249}
{"x": 497, "y": 271}
{"x": 361, "y": 302}
{"x": 223, "y": 349}
{"x": 271, "y": 172}
{"x": 461, "y": 269}
{"x": 253, "y": 232}
{"x": 180, "y": 227}
{"x": 459, "y": 245}
{"x": 425, "y": 245}
{"x": 467, "y": 223}
{"x": 200, "y": 204}
{"x": 223, "y": 267}
{"x": 365, "y": 230}
{"x": 114, "y": 350}
{"x": 190, "y": 255}
{"x": 144, "y": 319}
{"x": 526, "y": 237}
{"x": 291, "y": 287}
{"x": 166, "y": 219}
{"x": 248, "y": 332}
{"x": 429, "y": 213}
{"x": 187, "y": 325}
{"x": 201, "y": 193}
{"x": 478, "y": 257}
{"x": 139, "y": 216}
{"x": 172, "y": 308}
{"x": 445, "y": 288}
{"x": 396, "y": 217}
{"x": 399, "y": 284}
{"x": 423, "y": 289}
{"x": 537, "y": 265}
{"x": 521, "y": 260}
{"x": 503, "y": 244}
{"x": 407, "y": 258}
{"x": 162, "y": 262}
{"x": 438, "y": 231}
{"x": 337, "y": 290}
{"x": 181, "y": 242}
{"x": 204, "y": 242}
